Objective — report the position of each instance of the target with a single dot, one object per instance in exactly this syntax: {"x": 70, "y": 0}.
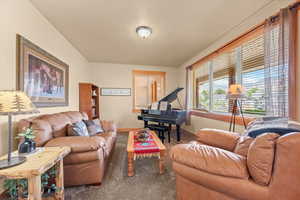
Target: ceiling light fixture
{"x": 143, "y": 31}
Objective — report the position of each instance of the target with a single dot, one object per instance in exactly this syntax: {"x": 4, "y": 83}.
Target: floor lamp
{"x": 14, "y": 103}
{"x": 235, "y": 94}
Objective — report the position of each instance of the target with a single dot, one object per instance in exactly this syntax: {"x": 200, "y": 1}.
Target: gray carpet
{"x": 145, "y": 185}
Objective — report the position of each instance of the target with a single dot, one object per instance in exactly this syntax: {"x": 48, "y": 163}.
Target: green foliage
{"x": 16, "y": 188}
{"x": 27, "y": 133}
{"x": 255, "y": 111}
{"x": 220, "y": 91}
{"x": 204, "y": 98}
{"x": 19, "y": 187}
{"x": 251, "y": 91}
{"x": 255, "y": 100}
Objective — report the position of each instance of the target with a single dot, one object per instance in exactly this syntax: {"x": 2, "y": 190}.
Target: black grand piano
{"x": 171, "y": 116}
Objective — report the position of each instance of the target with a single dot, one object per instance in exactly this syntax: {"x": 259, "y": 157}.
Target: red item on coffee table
{"x": 147, "y": 147}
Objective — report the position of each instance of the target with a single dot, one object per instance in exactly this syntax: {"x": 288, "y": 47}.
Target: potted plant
{"x": 28, "y": 145}
{"x": 17, "y": 189}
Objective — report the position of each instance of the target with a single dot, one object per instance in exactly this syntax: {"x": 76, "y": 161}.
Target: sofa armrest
{"x": 78, "y": 144}
{"x": 108, "y": 126}
{"x": 218, "y": 138}
{"x": 210, "y": 160}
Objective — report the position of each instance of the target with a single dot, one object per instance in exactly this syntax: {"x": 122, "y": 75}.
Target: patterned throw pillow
{"x": 279, "y": 125}
{"x": 94, "y": 126}
{"x": 78, "y": 129}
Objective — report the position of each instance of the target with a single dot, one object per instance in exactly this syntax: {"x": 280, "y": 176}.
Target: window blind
{"x": 276, "y": 71}
{"x": 264, "y": 85}
{"x": 223, "y": 75}
{"x": 253, "y": 78}
{"x": 201, "y": 75}
{"x": 253, "y": 53}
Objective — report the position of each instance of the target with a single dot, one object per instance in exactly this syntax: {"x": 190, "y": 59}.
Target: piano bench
{"x": 161, "y": 129}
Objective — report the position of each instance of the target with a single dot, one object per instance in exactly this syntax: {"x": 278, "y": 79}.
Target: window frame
{"x": 252, "y": 33}
{"x": 235, "y": 76}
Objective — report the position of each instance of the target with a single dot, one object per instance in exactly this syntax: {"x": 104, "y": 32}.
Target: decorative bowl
{"x": 142, "y": 135}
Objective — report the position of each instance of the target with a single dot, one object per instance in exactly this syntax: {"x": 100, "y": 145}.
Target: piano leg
{"x": 145, "y": 124}
{"x": 169, "y": 133}
{"x": 178, "y": 132}
{"x": 162, "y": 136}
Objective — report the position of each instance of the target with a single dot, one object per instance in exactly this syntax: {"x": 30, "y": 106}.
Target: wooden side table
{"x": 130, "y": 152}
{"x": 37, "y": 164}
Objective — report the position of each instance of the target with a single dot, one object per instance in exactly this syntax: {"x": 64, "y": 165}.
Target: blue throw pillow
{"x": 78, "y": 129}
{"x": 279, "y": 131}
{"x": 277, "y": 125}
{"x": 94, "y": 126}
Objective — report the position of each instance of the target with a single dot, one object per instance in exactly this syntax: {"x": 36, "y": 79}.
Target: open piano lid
{"x": 172, "y": 96}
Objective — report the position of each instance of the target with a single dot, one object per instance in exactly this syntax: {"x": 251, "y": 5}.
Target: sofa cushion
{"x": 78, "y": 129}
{"x": 74, "y": 116}
{"x": 210, "y": 160}
{"x": 84, "y": 115}
{"x": 78, "y": 143}
{"x": 218, "y": 138}
{"x": 229, "y": 188}
{"x": 243, "y": 145}
{"x": 261, "y": 157}
{"x": 78, "y": 158}
{"x": 58, "y": 123}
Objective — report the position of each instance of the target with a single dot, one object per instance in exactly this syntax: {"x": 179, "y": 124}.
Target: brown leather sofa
{"x": 89, "y": 155}
{"x": 213, "y": 169}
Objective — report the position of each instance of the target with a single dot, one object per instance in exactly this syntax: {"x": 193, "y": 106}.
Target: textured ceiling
{"x": 104, "y": 30}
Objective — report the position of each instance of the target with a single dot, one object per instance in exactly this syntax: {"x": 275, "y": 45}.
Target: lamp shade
{"x": 15, "y": 103}
{"x": 236, "y": 91}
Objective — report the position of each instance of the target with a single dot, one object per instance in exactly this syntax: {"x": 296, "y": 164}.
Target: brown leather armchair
{"x": 89, "y": 155}
{"x": 225, "y": 166}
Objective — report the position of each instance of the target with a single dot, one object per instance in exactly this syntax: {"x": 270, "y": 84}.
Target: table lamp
{"x": 14, "y": 103}
{"x": 235, "y": 93}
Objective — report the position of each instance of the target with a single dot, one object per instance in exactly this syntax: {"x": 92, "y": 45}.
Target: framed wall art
{"x": 43, "y": 77}
{"x": 115, "y": 91}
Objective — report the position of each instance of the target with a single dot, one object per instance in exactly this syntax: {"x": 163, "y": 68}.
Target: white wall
{"x": 119, "y": 108}
{"x": 20, "y": 17}
{"x": 201, "y": 122}
{"x": 257, "y": 18}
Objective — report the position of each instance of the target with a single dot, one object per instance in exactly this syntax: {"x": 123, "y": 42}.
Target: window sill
{"x": 222, "y": 117}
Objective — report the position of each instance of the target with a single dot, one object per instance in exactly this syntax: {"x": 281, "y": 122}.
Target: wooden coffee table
{"x": 131, "y": 154}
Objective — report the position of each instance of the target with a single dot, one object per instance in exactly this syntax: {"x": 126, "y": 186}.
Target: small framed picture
{"x": 115, "y": 91}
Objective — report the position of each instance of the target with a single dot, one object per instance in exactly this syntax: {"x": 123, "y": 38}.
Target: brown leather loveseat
{"x": 222, "y": 165}
{"x": 89, "y": 155}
